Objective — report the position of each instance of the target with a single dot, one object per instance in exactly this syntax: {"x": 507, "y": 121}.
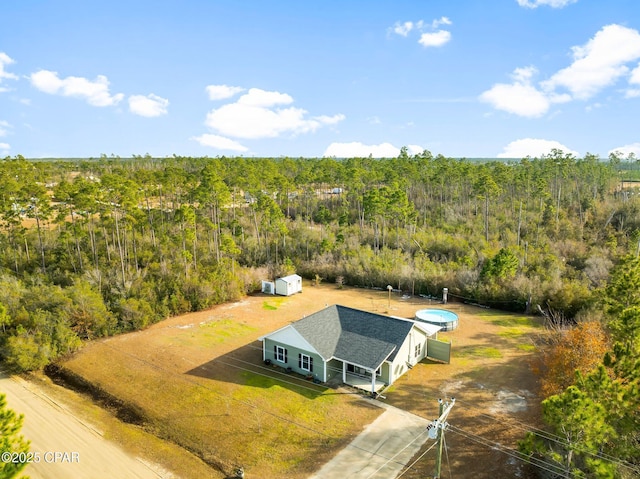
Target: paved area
{"x": 381, "y": 450}
{"x": 66, "y": 446}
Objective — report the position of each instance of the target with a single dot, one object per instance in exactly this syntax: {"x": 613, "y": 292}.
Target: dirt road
{"x": 64, "y": 445}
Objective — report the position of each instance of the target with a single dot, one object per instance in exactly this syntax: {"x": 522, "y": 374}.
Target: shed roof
{"x": 290, "y": 279}
{"x": 355, "y": 336}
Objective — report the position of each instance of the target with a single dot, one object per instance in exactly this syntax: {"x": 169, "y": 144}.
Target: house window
{"x": 418, "y": 349}
{"x": 363, "y": 372}
{"x": 280, "y": 354}
{"x": 305, "y": 362}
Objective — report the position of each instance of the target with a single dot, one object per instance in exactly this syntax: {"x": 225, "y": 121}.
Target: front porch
{"x": 364, "y": 383}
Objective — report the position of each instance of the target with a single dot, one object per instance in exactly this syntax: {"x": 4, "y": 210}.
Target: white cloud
{"x": 4, "y": 148}
{"x": 427, "y": 39}
{"x": 4, "y": 61}
{"x": 551, "y": 3}
{"x": 533, "y": 147}
{"x": 357, "y": 149}
{"x": 222, "y": 92}
{"x": 628, "y": 149}
{"x": 440, "y": 21}
{"x": 219, "y": 142}
{"x": 4, "y": 128}
{"x": 255, "y": 115}
{"x": 599, "y": 63}
{"x": 149, "y": 106}
{"x": 264, "y": 98}
{"x": 329, "y": 120}
{"x": 403, "y": 29}
{"x": 519, "y": 97}
{"x": 435, "y": 39}
{"x": 95, "y": 92}
{"x": 524, "y": 75}
{"x": 635, "y": 76}
{"x": 634, "y": 79}
{"x": 594, "y": 106}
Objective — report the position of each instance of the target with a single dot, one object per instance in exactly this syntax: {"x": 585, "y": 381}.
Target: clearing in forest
{"x": 198, "y": 380}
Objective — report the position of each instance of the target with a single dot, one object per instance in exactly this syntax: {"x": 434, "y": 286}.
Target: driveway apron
{"x": 382, "y": 450}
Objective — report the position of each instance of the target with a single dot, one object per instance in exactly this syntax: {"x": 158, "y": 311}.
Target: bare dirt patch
{"x": 495, "y": 391}
{"x": 200, "y": 381}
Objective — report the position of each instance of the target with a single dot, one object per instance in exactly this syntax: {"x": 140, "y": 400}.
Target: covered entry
{"x": 362, "y": 378}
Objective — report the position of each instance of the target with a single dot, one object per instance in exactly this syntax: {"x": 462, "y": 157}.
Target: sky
{"x": 260, "y": 78}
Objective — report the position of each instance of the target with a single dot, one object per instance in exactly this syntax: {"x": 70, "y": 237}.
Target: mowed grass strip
{"x": 224, "y": 411}
{"x": 510, "y": 320}
{"x": 479, "y": 352}
{"x": 210, "y": 333}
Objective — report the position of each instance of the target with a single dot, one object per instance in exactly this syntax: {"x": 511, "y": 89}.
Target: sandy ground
{"x": 496, "y": 397}
{"x": 66, "y": 446}
{"x": 495, "y": 391}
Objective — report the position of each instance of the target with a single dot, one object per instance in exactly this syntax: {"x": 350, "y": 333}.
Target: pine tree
{"x": 11, "y": 441}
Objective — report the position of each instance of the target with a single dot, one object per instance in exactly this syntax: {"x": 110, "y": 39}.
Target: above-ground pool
{"x": 448, "y": 320}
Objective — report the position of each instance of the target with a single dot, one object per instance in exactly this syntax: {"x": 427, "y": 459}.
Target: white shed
{"x": 288, "y": 285}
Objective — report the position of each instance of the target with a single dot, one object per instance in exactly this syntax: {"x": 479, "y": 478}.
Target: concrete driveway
{"x": 381, "y": 450}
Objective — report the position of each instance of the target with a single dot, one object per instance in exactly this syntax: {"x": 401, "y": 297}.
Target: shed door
{"x": 438, "y": 350}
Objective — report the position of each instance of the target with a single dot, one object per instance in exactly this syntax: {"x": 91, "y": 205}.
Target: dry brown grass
{"x": 200, "y": 382}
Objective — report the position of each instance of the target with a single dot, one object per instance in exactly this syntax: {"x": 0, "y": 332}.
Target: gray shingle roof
{"x": 352, "y": 335}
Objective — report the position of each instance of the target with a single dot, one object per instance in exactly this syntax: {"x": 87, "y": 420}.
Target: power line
{"x": 552, "y": 437}
{"x": 246, "y": 403}
{"x": 398, "y": 453}
{"x": 526, "y": 428}
{"x": 538, "y": 432}
{"x": 440, "y": 424}
{"x": 446, "y": 452}
{"x": 415, "y": 462}
{"x": 539, "y": 463}
{"x": 557, "y": 439}
{"x": 549, "y": 467}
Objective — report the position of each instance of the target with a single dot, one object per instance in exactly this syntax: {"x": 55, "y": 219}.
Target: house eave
{"x": 369, "y": 368}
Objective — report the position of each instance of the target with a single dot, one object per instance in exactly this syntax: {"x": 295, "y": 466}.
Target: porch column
{"x": 373, "y": 383}
{"x": 344, "y": 372}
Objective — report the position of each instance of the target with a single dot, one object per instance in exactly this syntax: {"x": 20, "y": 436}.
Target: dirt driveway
{"x": 66, "y": 445}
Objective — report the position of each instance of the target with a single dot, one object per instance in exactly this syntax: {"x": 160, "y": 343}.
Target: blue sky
{"x": 470, "y": 78}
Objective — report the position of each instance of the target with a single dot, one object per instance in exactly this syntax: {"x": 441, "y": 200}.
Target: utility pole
{"x": 440, "y": 425}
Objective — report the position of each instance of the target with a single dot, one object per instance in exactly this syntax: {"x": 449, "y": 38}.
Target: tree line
{"x": 591, "y": 380}
{"x": 100, "y": 246}
{"x": 95, "y": 247}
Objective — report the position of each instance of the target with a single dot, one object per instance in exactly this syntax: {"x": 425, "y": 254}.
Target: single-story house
{"x": 365, "y": 350}
{"x": 288, "y": 285}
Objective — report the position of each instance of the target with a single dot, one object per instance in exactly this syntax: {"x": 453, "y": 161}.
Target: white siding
{"x": 290, "y": 336}
{"x": 289, "y": 285}
{"x": 406, "y": 353}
